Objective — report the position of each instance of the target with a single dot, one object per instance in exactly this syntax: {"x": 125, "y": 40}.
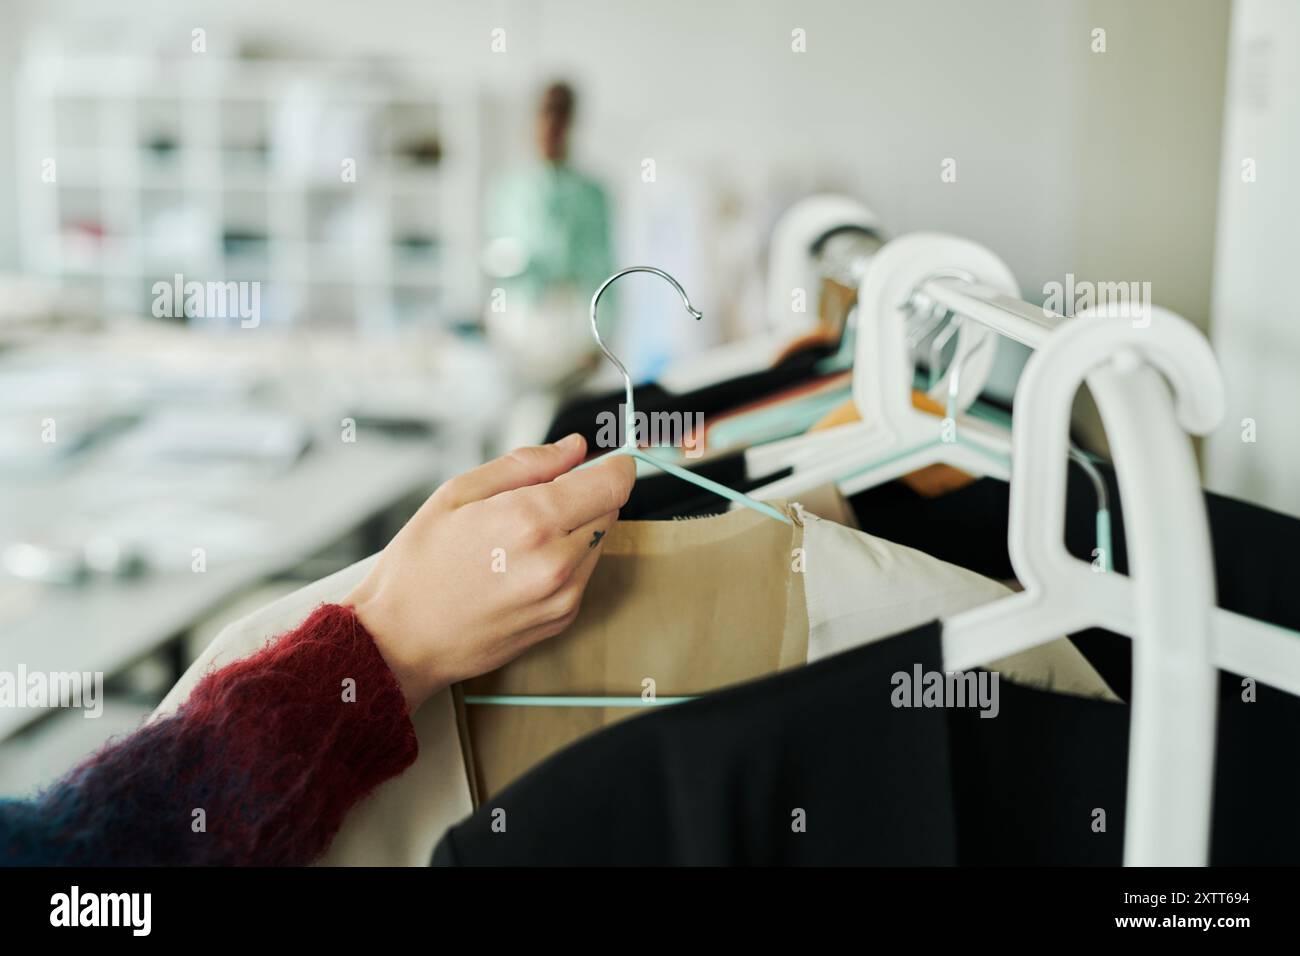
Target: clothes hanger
{"x": 629, "y": 446}
{"x": 929, "y": 319}
{"x": 1244, "y": 645}
{"x": 940, "y": 325}
{"x": 1239, "y": 644}
{"x": 904, "y": 438}
{"x": 796, "y": 241}
{"x": 893, "y": 437}
{"x": 1167, "y": 606}
{"x": 1103, "y": 552}
{"x": 919, "y": 439}
{"x": 922, "y": 321}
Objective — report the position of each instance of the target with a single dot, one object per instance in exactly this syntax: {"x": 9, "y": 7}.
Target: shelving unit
{"x": 234, "y": 170}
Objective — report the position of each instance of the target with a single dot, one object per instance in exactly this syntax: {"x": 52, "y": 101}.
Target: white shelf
{"x": 241, "y": 161}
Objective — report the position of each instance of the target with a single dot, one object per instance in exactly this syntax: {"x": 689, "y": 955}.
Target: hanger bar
{"x": 543, "y": 700}
{"x": 1006, "y": 314}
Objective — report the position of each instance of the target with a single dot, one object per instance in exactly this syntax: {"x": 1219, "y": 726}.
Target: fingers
{"x": 575, "y": 546}
{"x": 554, "y": 615}
{"x": 580, "y": 497}
{"x": 552, "y": 560}
{"x": 583, "y": 572}
{"x": 523, "y": 466}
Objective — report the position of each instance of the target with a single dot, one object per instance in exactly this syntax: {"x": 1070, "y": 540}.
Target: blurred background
{"x": 272, "y": 269}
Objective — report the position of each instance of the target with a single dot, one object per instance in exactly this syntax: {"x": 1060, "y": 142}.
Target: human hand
{"x": 494, "y": 561}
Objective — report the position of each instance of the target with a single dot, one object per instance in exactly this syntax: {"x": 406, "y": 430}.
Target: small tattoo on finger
{"x": 595, "y": 539}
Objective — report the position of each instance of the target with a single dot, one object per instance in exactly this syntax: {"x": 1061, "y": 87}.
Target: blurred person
{"x": 266, "y": 745}
{"x": 549, "y": 249}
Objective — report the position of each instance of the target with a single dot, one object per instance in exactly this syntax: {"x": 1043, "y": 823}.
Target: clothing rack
{"x": 1174, "y": 700}
{"x": 1171, "y": 592}
{"x": 1167, "y": 606}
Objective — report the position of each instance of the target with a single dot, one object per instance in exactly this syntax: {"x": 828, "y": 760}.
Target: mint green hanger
{"x": 783, "y": 420}
{"x": 546, "y": 700}
{"x": 629, "y": 447}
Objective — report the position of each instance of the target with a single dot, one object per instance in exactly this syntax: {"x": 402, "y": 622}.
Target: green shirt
{"x": 560, "y": 219}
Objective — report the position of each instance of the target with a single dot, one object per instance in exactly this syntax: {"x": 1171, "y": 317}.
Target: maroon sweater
{"x": 273, "y": 749}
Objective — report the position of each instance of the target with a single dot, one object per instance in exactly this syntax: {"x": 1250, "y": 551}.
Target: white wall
{"x": 12, "y": 18}
{"x": 1256, "y": 318}
{"x": 1104, "y": 165}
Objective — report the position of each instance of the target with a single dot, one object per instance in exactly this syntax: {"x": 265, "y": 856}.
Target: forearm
{"x": 259, "y": 766}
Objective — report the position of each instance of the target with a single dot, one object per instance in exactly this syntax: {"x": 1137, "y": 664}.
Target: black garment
{"x": 717, "y": 780}
{"x": 582, "y": 416}
{"x": 1028, "y": 782}
{"x": 1256, "y": 551}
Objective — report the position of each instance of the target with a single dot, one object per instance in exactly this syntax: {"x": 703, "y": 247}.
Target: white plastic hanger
{"x": 1167, "y": 606}
{"x": 791, "y": 266}
{"x": 894, "y": 437}
{"x": 791, "y": 261}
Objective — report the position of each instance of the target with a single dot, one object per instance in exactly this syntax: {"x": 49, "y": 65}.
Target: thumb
{"x": 533, "y": 465}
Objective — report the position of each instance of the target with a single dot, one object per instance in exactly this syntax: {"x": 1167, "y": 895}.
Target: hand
{"x": 493, "y": 562}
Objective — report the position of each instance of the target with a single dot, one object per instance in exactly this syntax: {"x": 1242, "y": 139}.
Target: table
{"x": 109, "y": 625}
{"x": 335, "y": 487}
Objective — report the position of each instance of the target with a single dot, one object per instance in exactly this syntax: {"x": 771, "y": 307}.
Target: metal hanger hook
{"x": 595, "y": 302}
{"x": 595, "y": 329}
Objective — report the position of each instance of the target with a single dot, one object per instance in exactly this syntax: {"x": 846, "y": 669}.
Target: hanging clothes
{"x": 782, "y": 415}
{"x": 696, "y": 605}
{"x": 1256, "y": 551}
{"x": 820, "y": 765}
{"x": 690, "y": 605}
{"x": 865, "y": 588}
{"x": 583, "y": 415}
{"x": 723, "y": 780}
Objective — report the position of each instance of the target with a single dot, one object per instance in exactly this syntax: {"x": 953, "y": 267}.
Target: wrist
{"x": 415, "y": 677}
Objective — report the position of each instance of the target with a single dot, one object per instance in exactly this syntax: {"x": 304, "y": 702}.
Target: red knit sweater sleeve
{"x": 259, "y": 766}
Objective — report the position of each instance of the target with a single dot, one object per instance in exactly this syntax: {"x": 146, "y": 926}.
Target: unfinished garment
{"x": 693, "y": 604}
{"x": 700, "y": 604}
